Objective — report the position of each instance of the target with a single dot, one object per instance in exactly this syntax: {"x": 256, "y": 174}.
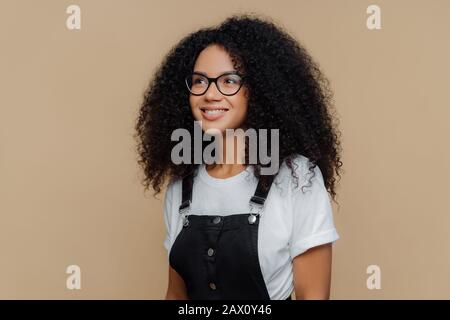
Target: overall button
{"x": 217, "y": 219}
{"x": 251, "y": 219}
{"x": 212, "y": 285}
{"x": 210, "y": 252}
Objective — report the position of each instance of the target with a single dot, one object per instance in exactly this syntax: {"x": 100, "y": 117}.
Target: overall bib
{"x": 217, "y": 256}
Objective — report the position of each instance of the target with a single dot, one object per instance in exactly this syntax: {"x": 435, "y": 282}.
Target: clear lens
{"x": 197, "y": 83}
{"x": 227, "y": 84}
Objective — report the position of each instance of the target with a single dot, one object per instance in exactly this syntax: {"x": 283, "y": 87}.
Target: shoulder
{"x": 302, "y": 172}
{"x": 173, "y": 191}
{"x": 173, "y": 184}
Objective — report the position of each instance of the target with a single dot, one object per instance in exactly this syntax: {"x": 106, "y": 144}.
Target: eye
{"x": 196, "y": 79}
{"x": 232, "y": 79}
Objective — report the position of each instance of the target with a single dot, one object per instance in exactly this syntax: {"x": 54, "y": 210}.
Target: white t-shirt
{"x": 292, "y": 221}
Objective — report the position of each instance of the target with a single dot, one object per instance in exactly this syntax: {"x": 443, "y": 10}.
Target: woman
{"x": 232, "y": 231}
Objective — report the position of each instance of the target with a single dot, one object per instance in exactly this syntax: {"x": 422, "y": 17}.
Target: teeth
{"x": 215, "y": 111}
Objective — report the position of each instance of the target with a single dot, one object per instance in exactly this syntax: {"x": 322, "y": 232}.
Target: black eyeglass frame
{"x": 214, "y": 80}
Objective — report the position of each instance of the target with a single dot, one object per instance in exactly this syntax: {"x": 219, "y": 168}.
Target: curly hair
{"x": 287, "y": 91}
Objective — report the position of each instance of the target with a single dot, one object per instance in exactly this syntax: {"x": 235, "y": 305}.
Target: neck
{"x": 232, "y": 157}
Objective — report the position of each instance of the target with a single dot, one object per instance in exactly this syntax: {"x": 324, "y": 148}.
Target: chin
{"x": 213, "y": 126}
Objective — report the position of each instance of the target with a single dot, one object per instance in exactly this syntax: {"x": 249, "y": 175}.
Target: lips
{"x": 212, "y": 113}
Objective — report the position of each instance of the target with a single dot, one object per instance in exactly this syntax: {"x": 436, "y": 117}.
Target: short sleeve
{"x": 168, "y": 215}
{"x": 312, "y": 214}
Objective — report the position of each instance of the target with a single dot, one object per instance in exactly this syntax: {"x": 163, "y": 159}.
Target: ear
{"x": 246, "y": 93}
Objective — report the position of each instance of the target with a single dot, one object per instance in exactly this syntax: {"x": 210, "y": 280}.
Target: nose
{"x": 213, "y": 92}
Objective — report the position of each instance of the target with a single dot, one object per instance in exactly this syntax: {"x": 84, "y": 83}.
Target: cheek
{"x": 243, "y": 99}
{"x": 192, "y": 103}
{"x": 240, "y": 103}
{"x": 239, "y": 112}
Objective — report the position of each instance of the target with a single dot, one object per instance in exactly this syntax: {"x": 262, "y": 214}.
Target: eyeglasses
{"x": 228, "y": 83}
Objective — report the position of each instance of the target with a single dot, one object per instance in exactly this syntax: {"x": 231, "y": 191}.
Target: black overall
{"x": 217, "y": 256}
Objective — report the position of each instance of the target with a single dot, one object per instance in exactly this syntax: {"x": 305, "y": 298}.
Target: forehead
{"x": 214, "y": 61}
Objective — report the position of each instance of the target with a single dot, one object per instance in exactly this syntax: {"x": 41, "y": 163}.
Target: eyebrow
{"x": 226, "y": 72}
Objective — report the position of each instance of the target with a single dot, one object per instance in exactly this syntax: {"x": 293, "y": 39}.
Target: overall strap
{"x": 261, "y": 193}
{"x": 186, "y": 190}
{"x": 257, "y": 199}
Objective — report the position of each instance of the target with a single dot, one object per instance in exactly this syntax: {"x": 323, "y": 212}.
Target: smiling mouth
{"x": 213, "y": 111}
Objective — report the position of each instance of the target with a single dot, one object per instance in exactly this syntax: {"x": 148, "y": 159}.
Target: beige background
{"x": 70, "y": 186}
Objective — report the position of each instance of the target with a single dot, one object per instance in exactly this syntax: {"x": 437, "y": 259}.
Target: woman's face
{"x": 214, "y": 61}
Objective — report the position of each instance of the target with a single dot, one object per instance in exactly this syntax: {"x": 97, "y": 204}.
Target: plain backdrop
{"x": 70, "y": 191}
